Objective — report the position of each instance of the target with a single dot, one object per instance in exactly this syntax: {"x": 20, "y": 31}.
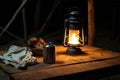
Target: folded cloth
{"x": 18, "y": 56}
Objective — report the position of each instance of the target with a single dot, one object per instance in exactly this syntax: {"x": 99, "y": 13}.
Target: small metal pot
{"x": 49, "y": 53}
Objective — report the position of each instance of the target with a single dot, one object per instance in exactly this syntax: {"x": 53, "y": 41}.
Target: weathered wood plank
{"x": 65, "y": 70}
{"x": 3, "y": 75}
{"x": 62, "y": 59}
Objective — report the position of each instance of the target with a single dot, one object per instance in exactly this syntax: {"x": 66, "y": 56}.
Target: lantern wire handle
{"x": 65, "y": 36}
{"x": 83, "y": 37}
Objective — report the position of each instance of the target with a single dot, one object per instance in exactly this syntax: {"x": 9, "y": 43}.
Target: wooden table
{"x": 92, "y": 64}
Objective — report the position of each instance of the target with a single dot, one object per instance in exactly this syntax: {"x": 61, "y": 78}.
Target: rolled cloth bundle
{"x": 17, "y": 56}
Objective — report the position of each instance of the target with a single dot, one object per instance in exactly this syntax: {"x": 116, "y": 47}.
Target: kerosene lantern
{"x": 74, "y": 33}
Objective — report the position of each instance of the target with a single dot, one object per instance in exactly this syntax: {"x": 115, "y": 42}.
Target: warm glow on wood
{"x": 74, "y": 37}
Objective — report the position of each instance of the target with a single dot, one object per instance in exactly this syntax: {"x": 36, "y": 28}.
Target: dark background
{"x": 107, "y": 24}
{"x": 107, "y": 21}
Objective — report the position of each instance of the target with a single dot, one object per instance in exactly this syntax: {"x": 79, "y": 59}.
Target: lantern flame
{"x": 74, "y": 39}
